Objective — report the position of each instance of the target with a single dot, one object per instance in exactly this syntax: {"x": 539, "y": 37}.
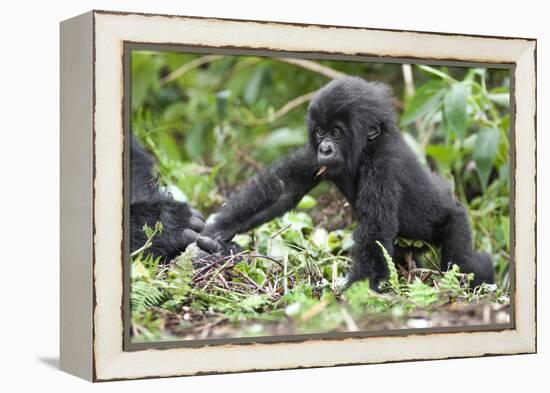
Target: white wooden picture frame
{"x": 92, "y": 193}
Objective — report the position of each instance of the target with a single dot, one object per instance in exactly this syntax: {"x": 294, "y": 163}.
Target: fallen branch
{"x": 290, "y": 105}
{"x": 246, "y": 158}
{"x": 348, "y": 319}
{"x": 313, "y": 66}
{"x": 182, "y": 70}
{"x": 313, "y": 311}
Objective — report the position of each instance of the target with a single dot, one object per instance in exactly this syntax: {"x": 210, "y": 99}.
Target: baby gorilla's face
{"x": 329, "y": 142}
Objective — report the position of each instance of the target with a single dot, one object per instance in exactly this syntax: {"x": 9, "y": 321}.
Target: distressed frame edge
{"x": 527, "y": 339}
{"x": 305, "y": 24}
{"x": 76, "y": 196}
{"x": 525, "y": 301}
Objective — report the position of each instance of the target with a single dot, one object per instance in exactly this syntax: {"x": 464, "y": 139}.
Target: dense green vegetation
{"x": 212, "y": 121}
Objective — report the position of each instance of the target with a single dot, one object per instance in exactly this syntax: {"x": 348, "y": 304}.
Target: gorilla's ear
{"x": 374, "y": 131}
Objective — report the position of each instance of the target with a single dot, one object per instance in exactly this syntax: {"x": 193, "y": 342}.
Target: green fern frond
{"x": 145, "y": 295}
{"x": 393, "y": 278}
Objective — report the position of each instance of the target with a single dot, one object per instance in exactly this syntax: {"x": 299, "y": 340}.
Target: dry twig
{"x": 188, "y": 67}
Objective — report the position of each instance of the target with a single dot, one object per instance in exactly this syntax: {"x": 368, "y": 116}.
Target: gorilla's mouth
{"x": 334, "y": 163}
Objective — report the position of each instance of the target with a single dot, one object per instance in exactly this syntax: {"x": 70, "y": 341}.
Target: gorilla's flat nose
{"x": 325, "y": 149}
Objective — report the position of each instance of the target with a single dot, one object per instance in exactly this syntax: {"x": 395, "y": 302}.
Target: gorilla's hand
{"x": 196, "y": 226}
{"x": 211, "y": 245}
{"x": 196, "y": 222}
{"x": 211, "y": 240}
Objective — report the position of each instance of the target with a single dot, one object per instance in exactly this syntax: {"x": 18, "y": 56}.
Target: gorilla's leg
{"x": 368, "y": 258}
{"x": 457, "y": 249}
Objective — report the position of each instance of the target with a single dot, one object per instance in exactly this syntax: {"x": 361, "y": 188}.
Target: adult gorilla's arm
{"x": 149, "y": 205}
{"x": 270, "y": 194}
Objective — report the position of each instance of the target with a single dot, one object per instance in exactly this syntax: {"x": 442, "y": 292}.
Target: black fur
{"x": 149, "y": 204}
{"x": 353, "y": 133}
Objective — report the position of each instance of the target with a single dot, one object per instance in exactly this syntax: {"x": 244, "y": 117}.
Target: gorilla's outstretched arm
{"x": 271, "y": 193}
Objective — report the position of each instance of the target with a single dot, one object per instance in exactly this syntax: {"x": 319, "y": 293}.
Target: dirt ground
{"x": 452, "y": 315}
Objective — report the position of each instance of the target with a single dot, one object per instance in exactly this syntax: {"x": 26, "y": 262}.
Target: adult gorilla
{"x": 355, "y": 143}
{"x": 149, "y": 204}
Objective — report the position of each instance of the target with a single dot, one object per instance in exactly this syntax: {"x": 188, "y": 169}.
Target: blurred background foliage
{"x": 212, "y": 121}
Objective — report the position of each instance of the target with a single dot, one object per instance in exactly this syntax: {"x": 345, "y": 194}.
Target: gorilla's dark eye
{"x": 319, "y": 132}
{"x": 336, "y": 132}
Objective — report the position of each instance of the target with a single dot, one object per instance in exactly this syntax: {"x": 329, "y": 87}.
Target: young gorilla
{"x": 355, "y": 143}
{"x": 149, "y": 204}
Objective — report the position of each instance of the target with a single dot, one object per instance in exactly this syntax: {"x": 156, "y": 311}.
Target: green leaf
{"x": 418, "y": 244}
{"x": 252, "y": 90}
{"x": 407, "y": 243}
{"x": 426, "y": 100}
{"x": 222, "y": 97}
{"x": 279, "y": 250}
{"x": 340, "y": 239}
{"x": 415, "y": 146}
{"x": 285, "y": 137}
{"x": 194, "y": 143}
{"x": 175, "y": 112}
{"x": 145, "y": 295}
{"x": 169, "y": 147}
{"x": 500, "y": 95}
{"x": 307, "y": 202}
{"x": 258, "y": 276}
{"x": 145, "y": 69}
{"x": 422, "y": 294}
{"x": 455, "y": 109}
{"x": 139, "y": 272}
{"x": 452, "y": 279}
{"x": 393, "y": 279}
{"x": 502, "y": 99}
{"x": 443, "y": 155}
{"x": 361, "y": 298}
{"x": 298, "y": 220}
{"x": 242, "y": 240}
{"x": 485, "y": 152}
{"x": 254, "y": 302}
{"x": 319, "y": 238}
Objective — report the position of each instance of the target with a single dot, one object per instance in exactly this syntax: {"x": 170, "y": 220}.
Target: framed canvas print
{"x": 246, "y": 195}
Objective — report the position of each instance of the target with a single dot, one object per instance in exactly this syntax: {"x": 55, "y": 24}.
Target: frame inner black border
{"x": 128, "y": 345}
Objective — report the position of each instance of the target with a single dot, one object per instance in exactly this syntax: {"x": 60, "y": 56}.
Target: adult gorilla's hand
{"x": 211, "y": 239}
{"x": 209, "y": 244}
{"x": 213, "y": 242}
{"x": 197, "y": 220}
{"x": 196, "y": 226}
{"x": 214, "y": 238}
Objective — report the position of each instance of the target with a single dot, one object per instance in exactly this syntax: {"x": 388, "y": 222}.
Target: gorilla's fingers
{"x": 208, "y": 244}
{"x": 196, "y": 254}
{"x": 196, "y": 213}
{"x": 196, "y": 224}
{"x": 189, "y": 236}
